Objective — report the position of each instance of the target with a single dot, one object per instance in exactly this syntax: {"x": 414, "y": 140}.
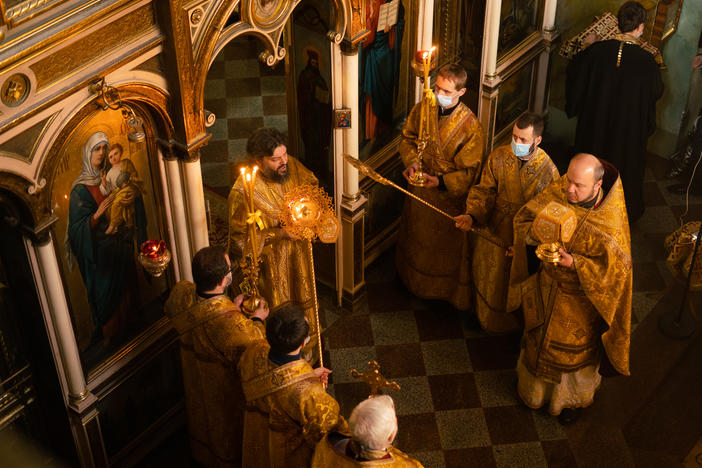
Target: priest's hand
{"x": 566, "y": 259}
{"x": 432, "y": 181}
{"x": 261, "y": 311}
{"x": 697, "y": 61}
{"x": 238, "y": 300}
{"x": 323, "y": 374}
{"x": 464, "y": 222}
{"x": 409, "y": 172}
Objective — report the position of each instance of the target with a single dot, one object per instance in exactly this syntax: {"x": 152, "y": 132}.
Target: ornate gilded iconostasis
{"x": 167, "y": 92}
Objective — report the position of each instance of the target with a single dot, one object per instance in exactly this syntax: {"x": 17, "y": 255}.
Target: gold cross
{"x": 374, "y": 378}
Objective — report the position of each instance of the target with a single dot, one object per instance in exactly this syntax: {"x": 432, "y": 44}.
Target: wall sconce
{"x": 111, "y": 99}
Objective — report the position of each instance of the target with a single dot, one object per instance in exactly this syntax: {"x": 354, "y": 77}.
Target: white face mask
{"x": 444, "y": 101}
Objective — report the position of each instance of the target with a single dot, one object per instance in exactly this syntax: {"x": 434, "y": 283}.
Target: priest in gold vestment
{"x": 578, "y": 310}
{"x": 512, "y": 176}
{"x": 373, "y": 429}
{"x": 432, "y": 255}
{"x": 213, "y": 333}
{"x": 288, "y": 409}
{"x": 286, "y": 277}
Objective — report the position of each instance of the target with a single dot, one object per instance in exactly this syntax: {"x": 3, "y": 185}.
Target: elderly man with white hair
{"x": 373, "y": 427}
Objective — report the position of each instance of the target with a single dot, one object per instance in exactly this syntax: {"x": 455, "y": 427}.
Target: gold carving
{"x": 85, "y": 51}
{"x": 15, "y": 90}
{"x": 196, "y": 16}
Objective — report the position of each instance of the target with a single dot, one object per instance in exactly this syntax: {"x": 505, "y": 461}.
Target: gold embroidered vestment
{"x": 432, "y": 254}
{"x": 285, "y": 275}
{"x": 288, "y": 410}
{"x": 505, "y": 185}
{"x": 571, "y": 314}
{"x": 213, "y": 334}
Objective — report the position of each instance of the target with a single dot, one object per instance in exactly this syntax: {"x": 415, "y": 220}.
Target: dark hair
{"x": 123, "y": 178}
{"x": 630, "y": 16}
{"x": 531, "y": 119}
{"x": 263, "y": 143}
{"x": 286, "y": 329}
{"x": 209, "y": 267}
{"x": 456, "y": 73}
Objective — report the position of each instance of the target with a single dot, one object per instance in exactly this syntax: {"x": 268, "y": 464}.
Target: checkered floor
{"x": 244, "y": 94}
{"x": 457, "y": 405}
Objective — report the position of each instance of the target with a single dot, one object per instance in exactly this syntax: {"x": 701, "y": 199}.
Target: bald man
{"x": 578, "y": 310}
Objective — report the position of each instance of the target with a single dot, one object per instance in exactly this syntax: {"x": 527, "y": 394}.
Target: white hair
{"x": 373, "y": 422}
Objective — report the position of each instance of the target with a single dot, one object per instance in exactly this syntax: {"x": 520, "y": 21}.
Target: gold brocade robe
{"x": 288, "y": 410}
{"x": 432, "y": 254}
{"x": 326, "y": 455}
{"x": 506, "y": 184}
{"x": 570, "y": 314}
{"x": 213, "y": 334}
{"x": 286, "y": 275}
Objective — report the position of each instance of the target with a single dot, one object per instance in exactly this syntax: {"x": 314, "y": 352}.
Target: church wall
{"x": 120, "y": 393}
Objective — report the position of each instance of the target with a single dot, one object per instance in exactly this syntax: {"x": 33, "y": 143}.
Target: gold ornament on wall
{"x": 15, "y": 90}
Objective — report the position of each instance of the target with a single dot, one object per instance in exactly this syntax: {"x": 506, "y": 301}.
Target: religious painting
{"x": 310, "y": 75}
{"x": 514, "y": 98}
{"x": 386, "y": 83}
{"x": 342, "y": 118}
{"x": 518, "y": 20}
{"x": 107, "y": 201}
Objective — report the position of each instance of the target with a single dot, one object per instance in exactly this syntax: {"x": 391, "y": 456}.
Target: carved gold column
{"x": 189, "y": 132}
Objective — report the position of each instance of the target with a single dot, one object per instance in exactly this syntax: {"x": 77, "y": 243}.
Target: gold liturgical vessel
{"x": 553, "y": 226}
{"x": 428, "y": 105}
{"x": 309, "y": 214}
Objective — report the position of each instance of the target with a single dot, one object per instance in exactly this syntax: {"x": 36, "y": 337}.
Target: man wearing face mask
{"x": 576, "y": 311}
{"x": 213, "y": 334}
{"x": 432, "y": 255}
{"x": 612, "y": 87}
{"x": 285, "y": 270}
{"x": 512, "y": 176}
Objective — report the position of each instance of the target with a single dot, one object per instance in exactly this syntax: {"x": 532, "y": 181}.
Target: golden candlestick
{"x": 428, "y": 103}
{"x": 250, "y": 262}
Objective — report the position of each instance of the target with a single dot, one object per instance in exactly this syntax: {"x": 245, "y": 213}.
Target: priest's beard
{"x": 589, "y": 201}
{"x": 275, "y": 175}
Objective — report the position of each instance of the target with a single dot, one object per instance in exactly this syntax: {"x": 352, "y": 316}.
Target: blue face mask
{"x": 444, "y": 101}
{"x": 522, "y": 150}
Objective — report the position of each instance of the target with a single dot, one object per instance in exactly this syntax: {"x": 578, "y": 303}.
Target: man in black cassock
{"x": 612, "y": 87}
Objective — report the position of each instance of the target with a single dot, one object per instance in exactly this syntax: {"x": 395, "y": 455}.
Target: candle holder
{"x": 427, "y": 59}
{"x": 249, "y": 264}
{"x": 154, "y": 256}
